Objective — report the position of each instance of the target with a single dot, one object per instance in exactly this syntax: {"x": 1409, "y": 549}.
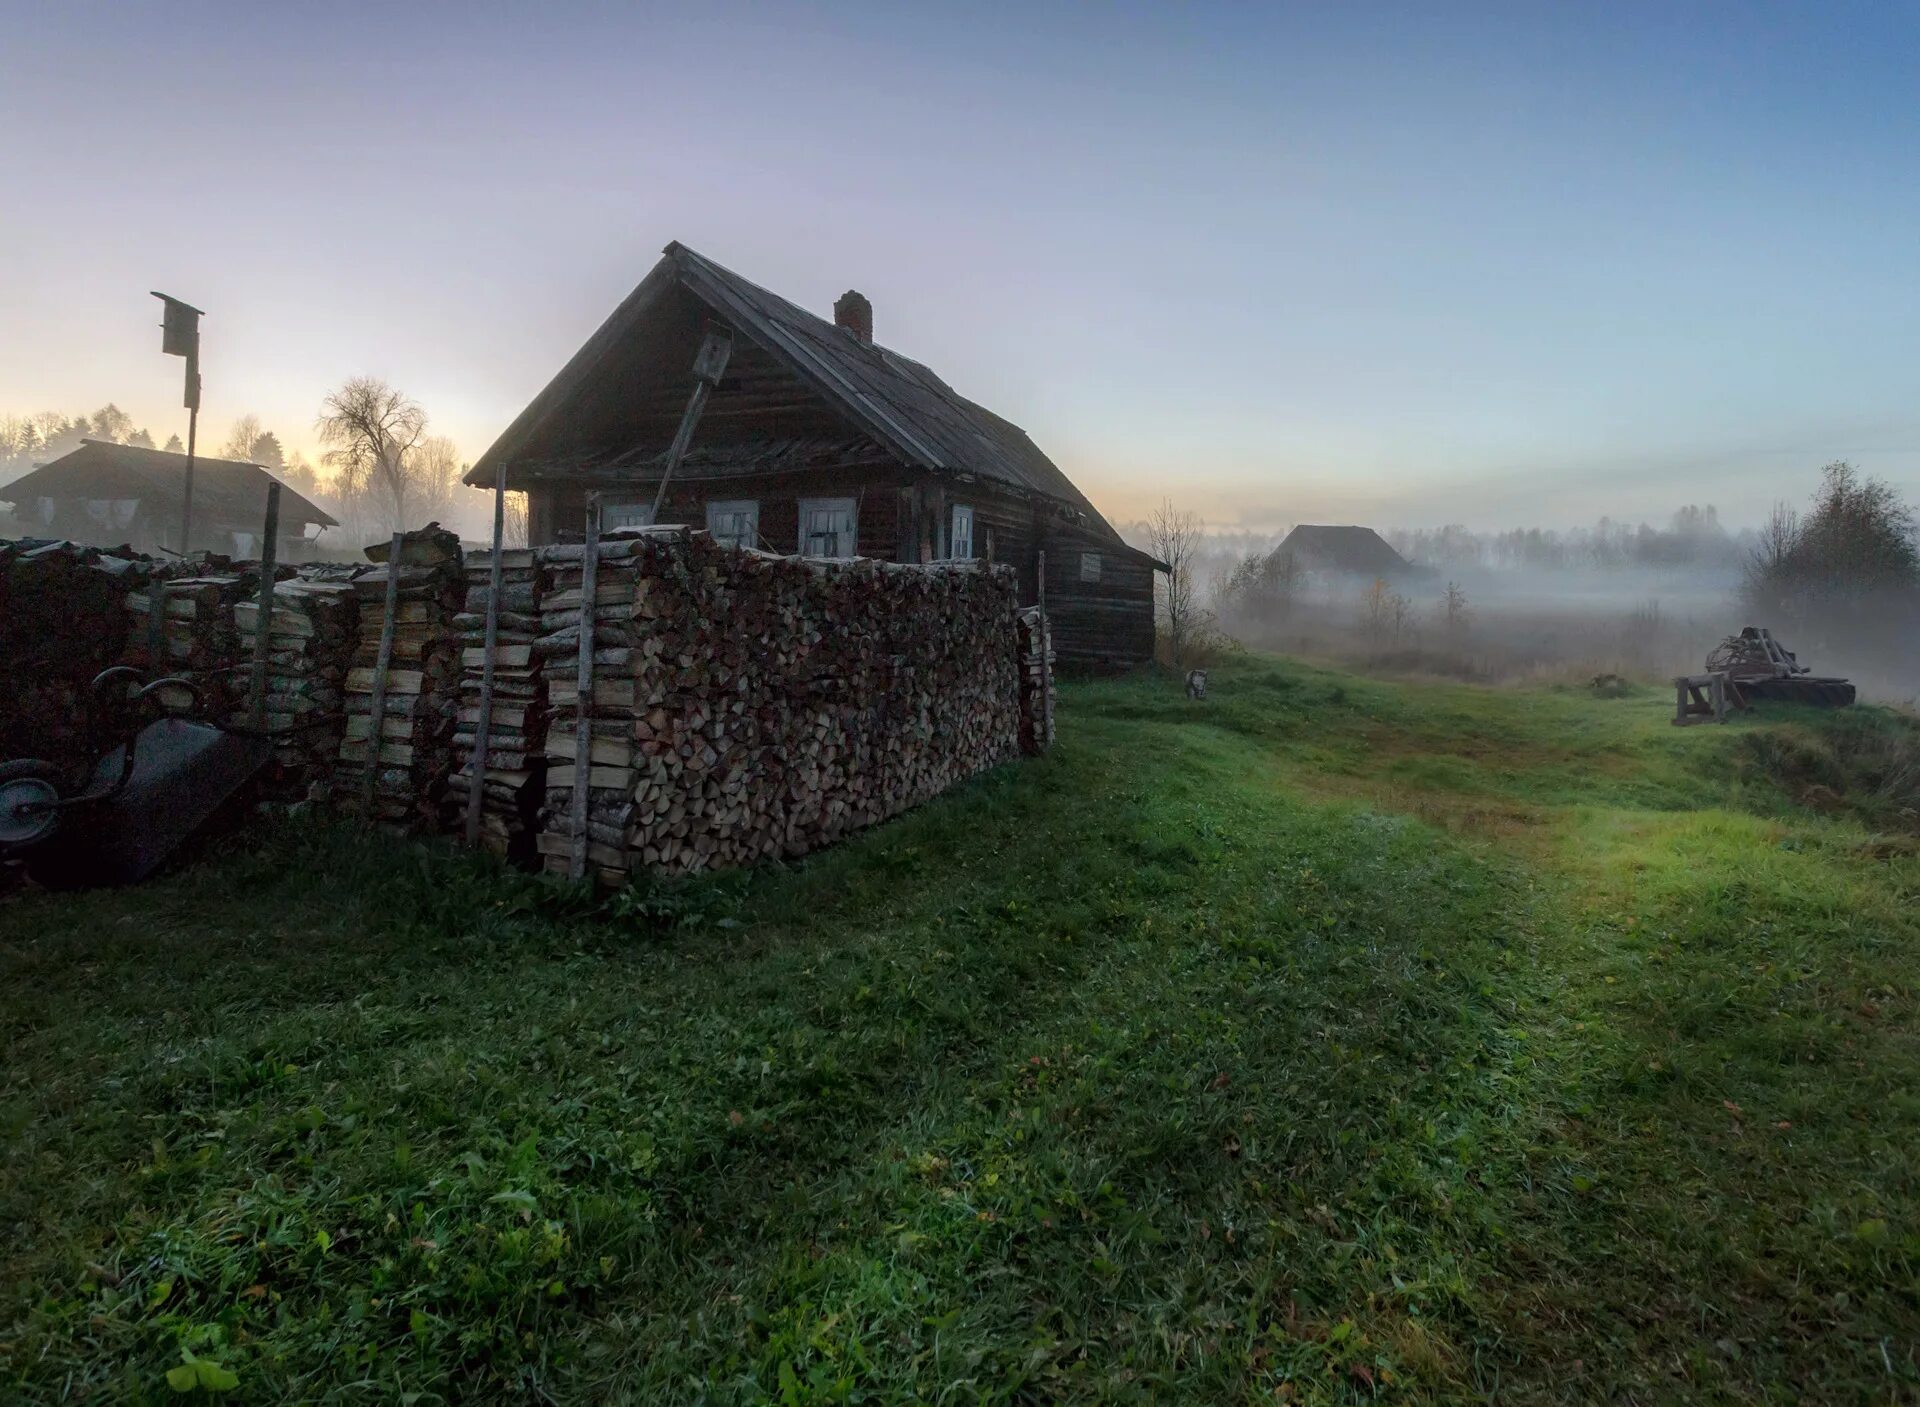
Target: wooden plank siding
{"x": 1104, "y": 624}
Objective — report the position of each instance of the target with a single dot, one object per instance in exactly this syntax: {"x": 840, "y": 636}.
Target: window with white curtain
{"x": 626, "y": 515}
{"x": 734, "y": 521}
{"x": 1089, "y": 566}
{"x": 960, "y": 544}
{"x": 827, "y": 527}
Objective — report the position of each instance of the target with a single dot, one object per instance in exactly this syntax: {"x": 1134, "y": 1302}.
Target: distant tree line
{"x": 1693, "y": 537}
{"x": 27, "y": 440}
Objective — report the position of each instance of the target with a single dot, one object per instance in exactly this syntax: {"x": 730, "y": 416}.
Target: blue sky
{"x": 1394, "y": 264}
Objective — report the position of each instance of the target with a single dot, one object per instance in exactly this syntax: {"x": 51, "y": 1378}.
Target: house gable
{"x": 800, "y": 378}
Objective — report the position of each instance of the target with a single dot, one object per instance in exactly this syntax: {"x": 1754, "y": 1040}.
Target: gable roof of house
{"x": 895, "y": 400}
{"x": 1341, "y": 549}
{"x": 230, "y": 490}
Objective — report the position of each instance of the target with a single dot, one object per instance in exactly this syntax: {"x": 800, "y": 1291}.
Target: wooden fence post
{"x": 376, "y": 739}
{"x": 480, "y": 737}
{"x": 583, "y": 714}
{"x": 263, "y": 626}
{"x": 1046, "y": 652}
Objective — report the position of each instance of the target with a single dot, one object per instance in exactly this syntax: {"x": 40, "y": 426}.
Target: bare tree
{"x": 1769, "y": 559}
{"x": 112, "y": 423}
{"x": 1400, "y": 612}
{"x": 239, "y": 441}
{"x": 434, "y": 471}
{"x": 1376, "y": 607}
{"x": 1174, "y": 536}
{"x": 1453, "y": 609}
{"x": 371, "y": 430}
{"x": 19, "y": 444}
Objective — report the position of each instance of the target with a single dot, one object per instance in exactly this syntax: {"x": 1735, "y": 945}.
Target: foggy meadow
{"x": 1617, "y": 601}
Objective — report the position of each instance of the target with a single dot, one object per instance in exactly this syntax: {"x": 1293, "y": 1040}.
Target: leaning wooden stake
{"x": 156, "y": 622}
{"x": 375, "y": 734}
{"x": 1045, "y": 633}
{"x": 486, "y": 665}
{"x": 583, "y": 716}
{"x": 709, "y": 365}
{"x": 263, "y": 626}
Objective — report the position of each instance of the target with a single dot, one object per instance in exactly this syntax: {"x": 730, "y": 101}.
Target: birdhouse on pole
{"x": 180, "y": 337}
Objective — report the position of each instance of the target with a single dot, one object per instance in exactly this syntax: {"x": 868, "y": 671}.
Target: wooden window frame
{"x": 953, "y": 532}
{"x": 1090, "y": 566}
{"x": 749, "y": 506}
{"x": 810, "y": 505}
{"x": 607, "y": 510}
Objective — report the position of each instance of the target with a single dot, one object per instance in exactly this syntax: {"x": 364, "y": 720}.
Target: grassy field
{"x": 1330, "y": 1040}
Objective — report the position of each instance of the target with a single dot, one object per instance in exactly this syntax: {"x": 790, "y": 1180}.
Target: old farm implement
{"x": 156, "y": 778}
{"x": 1753, "y": 667}
{"x": 1760, "y": 669}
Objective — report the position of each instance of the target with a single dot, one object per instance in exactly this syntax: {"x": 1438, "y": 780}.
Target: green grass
{"x": 1329, "y": 1040}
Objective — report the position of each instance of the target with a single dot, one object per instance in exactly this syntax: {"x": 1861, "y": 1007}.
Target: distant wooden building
{"x": 817, "y": 441}
{"x": 108, "y": 494}
{"x": 1351, "y": 551}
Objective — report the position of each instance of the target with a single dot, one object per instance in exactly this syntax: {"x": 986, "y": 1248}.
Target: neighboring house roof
{"x": 897, "y": 401}
{"x": 228, "y": 490}
{"x": 1341, "y": 549}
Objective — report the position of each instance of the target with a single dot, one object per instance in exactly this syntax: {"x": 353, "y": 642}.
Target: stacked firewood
{"x": 409, "y": 766}
{"x": 196, "y": 631}
{"x": 511, "y": 792}
{"x": 1037, "y": 696}
{"x": 61, "y": 623}
{"x": 747, "y": 706}
{"x": 197, "y": 636}
{"x": 311, "y": 638}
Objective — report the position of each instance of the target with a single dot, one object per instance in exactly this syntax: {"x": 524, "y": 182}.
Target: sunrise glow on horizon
{"x": 1488, "y": 266}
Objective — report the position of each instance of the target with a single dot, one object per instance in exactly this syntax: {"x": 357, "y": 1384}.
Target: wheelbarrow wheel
{"x": 25, "y": 787}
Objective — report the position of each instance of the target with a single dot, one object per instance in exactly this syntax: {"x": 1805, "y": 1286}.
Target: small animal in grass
{"x": 1196, "y": 683}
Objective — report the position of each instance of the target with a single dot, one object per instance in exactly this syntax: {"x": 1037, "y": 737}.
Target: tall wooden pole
{"x": 263, "y": 625}
{"x": 485, "y": 727}
{"x": 381, "y": 662}
{"x": 186, "y": 495}
{"x": 583, "y": 711}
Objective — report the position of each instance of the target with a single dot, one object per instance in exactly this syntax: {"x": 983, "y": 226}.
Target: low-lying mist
{"x": 1570, "y": 625}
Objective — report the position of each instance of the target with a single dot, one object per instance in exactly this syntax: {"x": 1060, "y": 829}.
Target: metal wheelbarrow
{"x": 117, "y": 821}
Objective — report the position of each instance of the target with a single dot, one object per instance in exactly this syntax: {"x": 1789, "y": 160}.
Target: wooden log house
{"x": 108, "y": 494}
{"x": 817, "y": 441}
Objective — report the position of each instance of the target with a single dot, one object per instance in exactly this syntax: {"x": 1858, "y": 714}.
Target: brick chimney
{"x": 854, "y": 313}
